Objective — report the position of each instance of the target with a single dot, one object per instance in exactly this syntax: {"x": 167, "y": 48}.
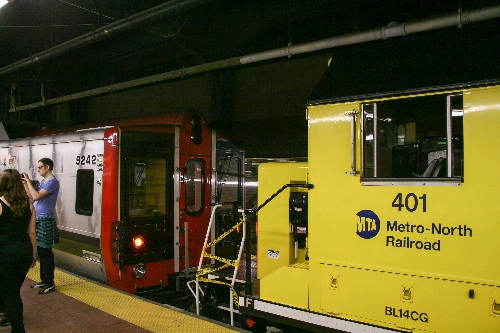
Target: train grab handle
{"x": 284, "y": 187}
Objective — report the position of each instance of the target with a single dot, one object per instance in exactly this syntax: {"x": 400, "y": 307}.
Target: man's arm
{"x": 35, "y": 195}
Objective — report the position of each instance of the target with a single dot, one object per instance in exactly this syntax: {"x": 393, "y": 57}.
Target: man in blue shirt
{"x": 47, "y": 234}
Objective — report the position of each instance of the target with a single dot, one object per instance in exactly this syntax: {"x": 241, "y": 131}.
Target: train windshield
{"x": 411, "y": 138}
{"x": 147, "y": 186}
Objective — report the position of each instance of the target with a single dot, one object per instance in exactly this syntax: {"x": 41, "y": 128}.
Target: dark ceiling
{"x": 193, "y": 32}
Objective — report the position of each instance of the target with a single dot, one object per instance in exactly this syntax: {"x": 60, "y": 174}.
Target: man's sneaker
{"x": 4, "y": 321}
{"x": 47, "y": 289}
{"x": 38, "y": 285}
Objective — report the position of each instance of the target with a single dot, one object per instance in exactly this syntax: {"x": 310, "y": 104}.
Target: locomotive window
{"x": 84, "y": 202}
{"x": 147, "y": 186}
{"x": 415, "y": 140}
{"x": 194, "y": 175}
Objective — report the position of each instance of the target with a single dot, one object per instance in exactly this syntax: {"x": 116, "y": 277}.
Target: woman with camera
{"x": 17, "y": 246}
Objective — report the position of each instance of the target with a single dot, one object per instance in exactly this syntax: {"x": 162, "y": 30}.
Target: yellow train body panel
{"x": 415, "y": 256}
{"x": 275, "y": 247}
{"x": 287, "y": 285}
{"x": 432, "y": 270}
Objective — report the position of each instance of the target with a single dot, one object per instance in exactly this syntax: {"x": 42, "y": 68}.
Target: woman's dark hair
{"x": 12, "y": 188}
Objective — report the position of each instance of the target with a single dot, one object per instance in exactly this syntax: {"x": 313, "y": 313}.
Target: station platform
{"x": 79, "y": 305}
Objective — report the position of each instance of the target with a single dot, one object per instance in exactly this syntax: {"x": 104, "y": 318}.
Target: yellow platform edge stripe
{"x": 148, "y": 315}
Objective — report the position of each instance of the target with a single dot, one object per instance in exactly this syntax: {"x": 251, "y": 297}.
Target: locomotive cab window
{"x": 416, "y": 140}
{"x": 147, "y": 187}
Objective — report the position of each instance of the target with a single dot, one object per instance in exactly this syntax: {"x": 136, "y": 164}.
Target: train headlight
{"x": 138, "y": 242}
{"x": 139, "y": 271}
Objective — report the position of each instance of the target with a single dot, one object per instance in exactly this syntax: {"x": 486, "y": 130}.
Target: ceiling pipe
{"x": 393, "y": 30}
{"x": 133, "y": 22}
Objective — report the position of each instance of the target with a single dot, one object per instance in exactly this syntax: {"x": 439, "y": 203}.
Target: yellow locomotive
{"x": 399, "y": 231}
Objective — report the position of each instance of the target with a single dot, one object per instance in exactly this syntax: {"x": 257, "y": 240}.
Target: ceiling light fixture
{"x": 4, "y": 2}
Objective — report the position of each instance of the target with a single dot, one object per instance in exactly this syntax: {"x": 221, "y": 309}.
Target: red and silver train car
{"x": 135, "y": 196}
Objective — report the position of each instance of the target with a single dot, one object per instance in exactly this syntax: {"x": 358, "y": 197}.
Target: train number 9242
{"x": 86, "y": 159}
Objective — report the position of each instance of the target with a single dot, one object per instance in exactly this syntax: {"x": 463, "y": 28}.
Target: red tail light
{"x": 250, "y": 322}
{"x": 138, "y": 242}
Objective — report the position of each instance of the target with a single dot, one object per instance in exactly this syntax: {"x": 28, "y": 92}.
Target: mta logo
{"x": 368, "y": 224}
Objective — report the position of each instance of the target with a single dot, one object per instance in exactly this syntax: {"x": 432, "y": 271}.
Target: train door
{"x": 199, "y": 190}
{"x": 146, "y": 204}
{"x": 194, "y": 168}
{"x": 195, "y": 207}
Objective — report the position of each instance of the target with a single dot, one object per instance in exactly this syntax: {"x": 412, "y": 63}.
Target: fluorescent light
{"x": 3, "y": 3}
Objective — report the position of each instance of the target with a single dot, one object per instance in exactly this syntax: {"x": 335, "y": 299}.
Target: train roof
{"x": 81, "y": 135}
{"x": 426, "y": 62}
{"x": 10, "y": 130}
{"x": 174, "y": 118}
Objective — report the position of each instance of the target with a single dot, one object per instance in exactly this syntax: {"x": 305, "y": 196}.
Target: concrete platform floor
{"x": 82, "y": 306}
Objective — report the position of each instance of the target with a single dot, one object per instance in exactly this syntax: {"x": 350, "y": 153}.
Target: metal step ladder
{"x": 206, "y": 274}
